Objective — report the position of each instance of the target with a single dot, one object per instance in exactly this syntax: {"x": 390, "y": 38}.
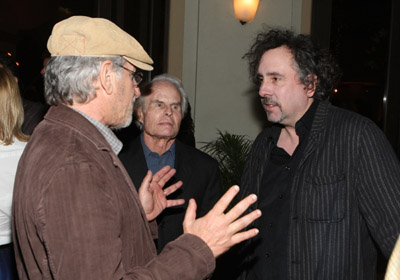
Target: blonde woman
{"x": 12, "y": 144}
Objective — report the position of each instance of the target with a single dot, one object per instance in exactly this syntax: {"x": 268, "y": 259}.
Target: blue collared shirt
{"x": 154, "y": 161}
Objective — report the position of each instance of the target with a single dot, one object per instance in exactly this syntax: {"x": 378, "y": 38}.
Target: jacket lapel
{"x": 182, "y": 163}
{"x": 319, "y": 122}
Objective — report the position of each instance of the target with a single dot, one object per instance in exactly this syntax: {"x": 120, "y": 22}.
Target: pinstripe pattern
{"x": 345, "y": 193}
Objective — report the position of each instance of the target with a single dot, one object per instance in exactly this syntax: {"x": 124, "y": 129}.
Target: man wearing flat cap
{"x": 76, "y": 212}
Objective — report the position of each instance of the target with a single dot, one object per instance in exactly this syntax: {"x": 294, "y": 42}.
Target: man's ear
{"x": 107, "y": 76}
{"x": 312, "y": 86}
{"x": 139, "y": 115}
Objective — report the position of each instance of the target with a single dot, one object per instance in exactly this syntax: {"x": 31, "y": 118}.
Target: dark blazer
{"x": 201, "y": 180}
{"x": 344, "y": 197}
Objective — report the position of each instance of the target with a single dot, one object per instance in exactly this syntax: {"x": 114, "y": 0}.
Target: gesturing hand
{"x": 153, "y": 197}
{"x": 221, "y": 231}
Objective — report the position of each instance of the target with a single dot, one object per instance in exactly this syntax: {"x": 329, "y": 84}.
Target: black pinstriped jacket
{"x": 345, "y": 194}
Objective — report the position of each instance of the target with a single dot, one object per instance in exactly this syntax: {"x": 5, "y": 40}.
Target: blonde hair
{"x": 11, "y": 110}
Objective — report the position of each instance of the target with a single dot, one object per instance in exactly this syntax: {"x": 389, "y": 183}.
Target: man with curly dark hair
{"x": 327, "y": 179}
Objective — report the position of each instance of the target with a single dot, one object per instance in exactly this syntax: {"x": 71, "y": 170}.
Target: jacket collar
{"x": 66, "y": 116}
{"x": 318, "y": 125}
{"x": 320, "y": 119}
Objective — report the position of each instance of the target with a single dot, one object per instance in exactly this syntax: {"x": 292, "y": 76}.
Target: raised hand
{"x": 219, "y": 230}
{"x": 152, "y": 195}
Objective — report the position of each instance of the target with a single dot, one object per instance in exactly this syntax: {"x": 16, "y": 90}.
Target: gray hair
{"x": 147, "y": 89}
{"x": 70, "y": 78}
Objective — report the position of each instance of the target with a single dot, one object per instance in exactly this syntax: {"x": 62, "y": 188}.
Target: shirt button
{"x": 287, "y": 168}
{"x": 267, "y": 255}
{"x": 270, "y": 225}
{"x": 281, "y": 196}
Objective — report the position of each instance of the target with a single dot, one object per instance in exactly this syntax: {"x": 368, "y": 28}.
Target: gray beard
{"x": 128, "y": 121}
{"x": 123, "y": 125}
{"x": 266, "y": 100}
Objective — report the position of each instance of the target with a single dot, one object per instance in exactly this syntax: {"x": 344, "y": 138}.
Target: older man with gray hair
{"x": 76, "y": 212}
{"x": 159, "y": 111}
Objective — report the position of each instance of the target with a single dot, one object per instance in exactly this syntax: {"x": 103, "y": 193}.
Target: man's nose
{"x": 168, "y": 110}
{"x": 265, "y": 89}
{"x": 137, "y": 92}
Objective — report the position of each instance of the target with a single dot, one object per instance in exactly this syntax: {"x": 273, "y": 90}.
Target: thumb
{"x": 146, "y": 181}
{"x": 190, "y": 214}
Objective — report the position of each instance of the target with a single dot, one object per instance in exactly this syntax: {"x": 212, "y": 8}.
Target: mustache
{"x": 269, "y": 100}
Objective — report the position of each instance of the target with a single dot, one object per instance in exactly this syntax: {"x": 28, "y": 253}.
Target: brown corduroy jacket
{"x": 77, "y": 214}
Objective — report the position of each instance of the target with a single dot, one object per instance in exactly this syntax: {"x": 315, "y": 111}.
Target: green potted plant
{"x": 230, "y": 150}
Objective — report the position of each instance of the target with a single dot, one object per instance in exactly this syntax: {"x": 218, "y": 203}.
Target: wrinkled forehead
{"x": 165, "y": 91}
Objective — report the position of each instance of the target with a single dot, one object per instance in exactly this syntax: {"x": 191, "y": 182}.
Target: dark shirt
{"x": 270, "y": 246}
{"x": 155, "y": 161}
{"x": 345, "y": 197}
{"x": 33, "y": 114}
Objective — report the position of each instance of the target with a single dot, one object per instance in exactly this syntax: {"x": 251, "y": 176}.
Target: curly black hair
{"x": 311, "y": 60}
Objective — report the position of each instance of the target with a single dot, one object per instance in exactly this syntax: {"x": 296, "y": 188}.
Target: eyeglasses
{"x": 136, "y": 76}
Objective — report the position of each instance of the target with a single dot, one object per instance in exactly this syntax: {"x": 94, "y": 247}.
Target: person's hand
{"x": 219, "y": 230}
{"x": 153, "y": 196}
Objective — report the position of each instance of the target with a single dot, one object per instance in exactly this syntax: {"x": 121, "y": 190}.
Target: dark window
{"x": 364, "y": 36}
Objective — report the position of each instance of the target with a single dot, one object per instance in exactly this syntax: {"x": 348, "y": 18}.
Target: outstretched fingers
{"x": 240, "y": 207}
{"x": 171, "y": 189}
{"x": 163, "y": 175}
{"x": 221, "y": 231}
{"x": 242, "y": 223}
{"x": 244, "y": 235}
{"x": 225, "y": 200}
{"x": 175, "y": 202}
{"x": 160, "y": 173}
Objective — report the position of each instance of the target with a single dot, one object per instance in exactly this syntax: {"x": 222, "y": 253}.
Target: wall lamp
{"x": 245, "y": 10}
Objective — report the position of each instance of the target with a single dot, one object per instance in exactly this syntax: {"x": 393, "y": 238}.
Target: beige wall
{"x": 175, "y": 43}
{"x": 206, "y": 47}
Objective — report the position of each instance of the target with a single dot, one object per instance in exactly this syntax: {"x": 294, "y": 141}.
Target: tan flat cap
{"x": 85, "y": 36}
